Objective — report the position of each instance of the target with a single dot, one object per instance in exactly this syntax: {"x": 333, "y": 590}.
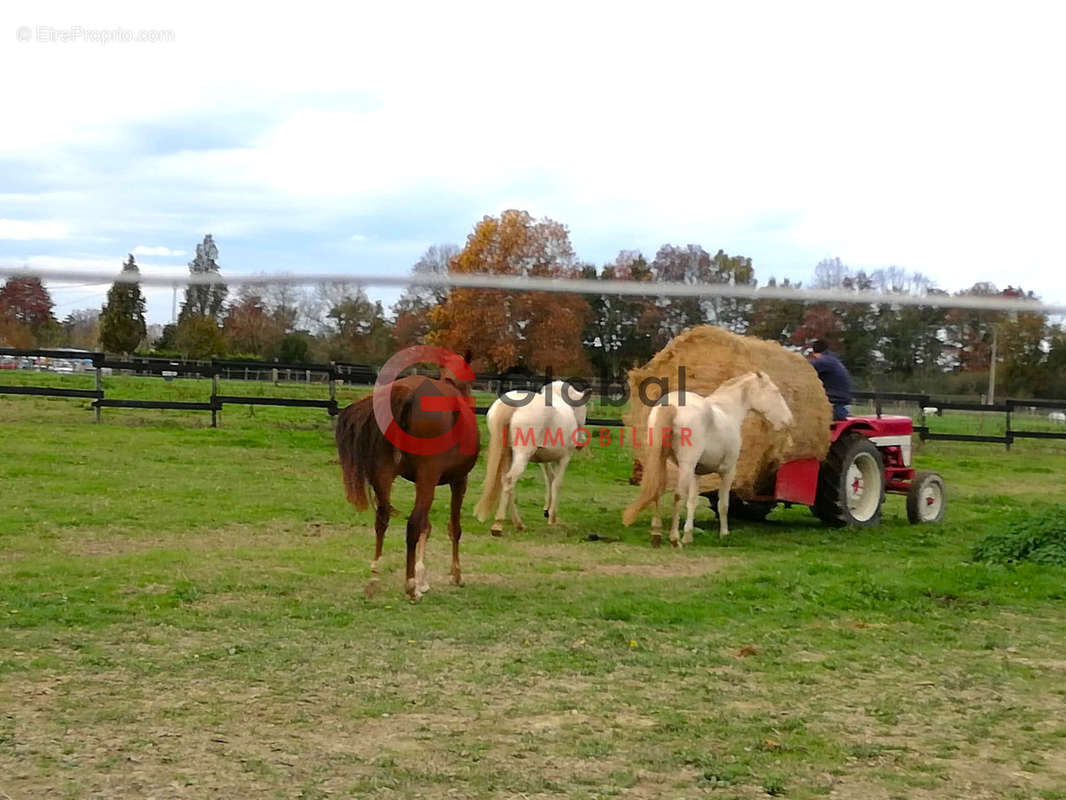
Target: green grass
{"x": 182, "y": 615}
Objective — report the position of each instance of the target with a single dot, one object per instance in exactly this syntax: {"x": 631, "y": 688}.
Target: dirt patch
{"x": 118, "y": 542}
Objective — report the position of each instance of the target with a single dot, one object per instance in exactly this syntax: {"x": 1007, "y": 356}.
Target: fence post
{"x": 1008, "y": 436}
{"x": 214, "y": 402}
{"x": 99, "y": 388}
{"x": 333, "y": 390}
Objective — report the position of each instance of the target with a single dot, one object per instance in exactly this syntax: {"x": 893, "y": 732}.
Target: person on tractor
{"x": 834, "y": 376}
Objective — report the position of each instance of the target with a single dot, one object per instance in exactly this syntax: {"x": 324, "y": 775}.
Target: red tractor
{"x": 868, "y": 457}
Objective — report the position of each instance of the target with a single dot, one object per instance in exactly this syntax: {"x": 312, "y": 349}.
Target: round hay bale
{"x": 708, "y": 356}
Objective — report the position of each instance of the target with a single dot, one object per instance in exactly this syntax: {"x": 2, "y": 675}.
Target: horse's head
{"x": 448, "y": 374}
{"x": 766, "y": 398}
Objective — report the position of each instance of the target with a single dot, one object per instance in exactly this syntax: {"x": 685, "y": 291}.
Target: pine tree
{"x": 202, "y": 299}
{"x": 122, "y": 326}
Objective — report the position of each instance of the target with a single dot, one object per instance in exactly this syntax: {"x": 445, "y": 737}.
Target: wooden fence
{"x": 365, "y": 375}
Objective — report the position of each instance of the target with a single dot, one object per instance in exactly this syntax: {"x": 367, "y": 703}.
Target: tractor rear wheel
{"x": 926, "y": 499}
{"x": 851, "y": 483}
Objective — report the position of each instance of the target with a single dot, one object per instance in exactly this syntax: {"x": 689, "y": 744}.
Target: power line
{"x": 584, "y": 286}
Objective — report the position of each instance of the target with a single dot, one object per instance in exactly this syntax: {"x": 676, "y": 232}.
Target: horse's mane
{"x": 739, "y": 379}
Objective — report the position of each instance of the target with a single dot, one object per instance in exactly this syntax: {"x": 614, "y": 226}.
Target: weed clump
{"x": 1038, "y": 536}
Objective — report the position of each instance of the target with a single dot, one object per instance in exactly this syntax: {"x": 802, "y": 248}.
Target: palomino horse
{"x": 546, "y": 429}
{"x": 424, "y": 410}
{"x": 704, "y": 436}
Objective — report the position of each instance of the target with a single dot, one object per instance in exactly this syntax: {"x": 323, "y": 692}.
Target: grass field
{"x": 182, "y": 615}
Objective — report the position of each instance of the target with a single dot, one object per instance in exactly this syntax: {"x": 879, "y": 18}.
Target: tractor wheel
{"x": 748, "y": 510}
{"x": 926, "y": 499}
{"x": 851, "y": 483}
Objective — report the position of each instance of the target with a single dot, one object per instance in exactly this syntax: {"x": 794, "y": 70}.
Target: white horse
{"x": 530, "y": 429}
{"x": 703, "y": 436}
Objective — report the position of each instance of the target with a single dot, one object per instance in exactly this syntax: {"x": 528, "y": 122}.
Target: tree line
{"x": 885, "y": 344}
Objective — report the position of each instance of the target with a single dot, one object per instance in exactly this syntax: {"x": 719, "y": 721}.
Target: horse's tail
{"x": 654, "y": 462}
{"x": 361, "y": 444}
{"x": 499, "y": 458}
{"x": 353, "y": 436}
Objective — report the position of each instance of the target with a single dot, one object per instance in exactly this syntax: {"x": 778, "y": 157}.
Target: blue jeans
{"x": 840, "y": 411}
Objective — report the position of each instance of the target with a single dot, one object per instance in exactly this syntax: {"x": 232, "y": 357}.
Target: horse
{"x": 702, "y": 436}
{"x": 423, "y": 408}
{"x": 545, "y": 429}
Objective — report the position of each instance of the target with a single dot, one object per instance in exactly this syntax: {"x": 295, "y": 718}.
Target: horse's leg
{"x": 723, "y": 500}
{"x": 455, "y": 531}
{"x": 546, "y": 471}
{"x": 686, "y": 474}
{"x": 420, "y": 560}
{"x": 656, "y": 519}
{"x": 382, "y": 511}
{"x": 556, "y": 485}
{"x": 519, "y": 460}
{"x": 417, "y": 526}
{"x": 690, "y": 516}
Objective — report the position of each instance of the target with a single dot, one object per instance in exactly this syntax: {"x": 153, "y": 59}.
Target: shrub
{"x": 1038, "y": 535}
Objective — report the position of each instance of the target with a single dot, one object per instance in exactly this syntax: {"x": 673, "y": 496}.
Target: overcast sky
{"x": 924, "y": 135}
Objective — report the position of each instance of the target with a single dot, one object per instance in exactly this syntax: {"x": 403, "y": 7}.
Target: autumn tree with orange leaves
{"x": 504, "y": 329}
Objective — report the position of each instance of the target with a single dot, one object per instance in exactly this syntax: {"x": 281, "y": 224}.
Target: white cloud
{"x": 141, "y": 250}
{"x": 32, "y": 229}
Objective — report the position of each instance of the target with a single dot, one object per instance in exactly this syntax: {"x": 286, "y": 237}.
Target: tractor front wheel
{"x": 926, "y": 499}
{"x": 851, "y": 483}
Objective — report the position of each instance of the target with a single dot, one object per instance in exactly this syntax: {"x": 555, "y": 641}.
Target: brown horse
{"x": 408, "y": 435}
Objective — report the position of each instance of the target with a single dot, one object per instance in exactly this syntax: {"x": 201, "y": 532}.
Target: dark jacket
{"x": 835, "y": 378}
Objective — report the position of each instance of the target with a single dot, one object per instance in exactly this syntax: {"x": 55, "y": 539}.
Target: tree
{"x": 15, "y": 334}
{"x": 830, "y": 273}
{"x": 168, "y": 340}
{"x": 122, "y": 327}
{"x": 199, "y": 337}
{"x": 360, "y": 331}
{"x": 83, "y": 328}
{"x": 909, "y": 341}
{"x": 251, "y": 328}
{"x": 1055, "y": 384}
{"x": 621, "y": 330}
{"x": 411, "y": 311}
{"x": 689, "y": 264}
{"x": 968, "y": 332}
{"x": 201, "y": 299}
{"x": 504, "y": 329}
{"x": 294, "y": 348}
{"x": 26, "y": 304}
{"x": 1022, "y": 337}
{"x": 732, "y": 313}
{"x": 777, "y": 320}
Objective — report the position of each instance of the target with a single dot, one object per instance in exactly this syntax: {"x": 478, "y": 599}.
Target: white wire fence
{"x": 583, "y": 286}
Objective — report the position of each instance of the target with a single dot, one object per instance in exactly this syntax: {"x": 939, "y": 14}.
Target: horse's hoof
{"x": 676, "y": 543}
{"x": 545, "y": 513}
{"x": 656, "y": 540}
{"x": 519, "y": 526}
{"x": 458, "y": 582}
{"x": 496, "y": 530}
{"x": 686, "y": 540}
